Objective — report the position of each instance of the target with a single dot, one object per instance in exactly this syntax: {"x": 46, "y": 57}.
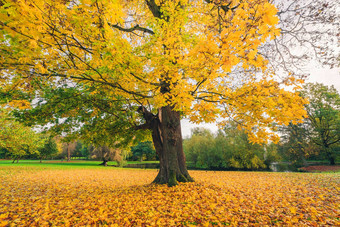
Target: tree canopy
{"x": 143, "y": 150}
{"x": 126, "y": 65}
{"x": 228, "y": 149}
{"x": 324, "y": 117}
{"x": 49, "y": 149}
{"x": 176, "y": 53}
{"x": 319, "y": 134}
{"x": 17, "y": 139}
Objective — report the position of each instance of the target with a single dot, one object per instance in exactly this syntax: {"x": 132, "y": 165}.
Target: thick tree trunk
{"x": 104, "y": 163}
{"x": 167, "y": 139}
{"x": 330, "y": 156}
{"x": 329, "y": 153}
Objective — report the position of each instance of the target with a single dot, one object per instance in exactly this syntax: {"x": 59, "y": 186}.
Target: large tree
{"x": 142, "y": 65}
{"x": 324, "y": 117}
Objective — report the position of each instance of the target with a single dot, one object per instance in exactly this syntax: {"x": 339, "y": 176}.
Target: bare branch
{"x": 132, "y": 29}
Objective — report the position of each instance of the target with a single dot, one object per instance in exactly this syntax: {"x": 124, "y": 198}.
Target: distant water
{"x": 282, "y": 167}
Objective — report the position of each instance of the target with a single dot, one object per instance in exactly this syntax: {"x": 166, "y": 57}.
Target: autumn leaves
{"x": 77, "y": 197}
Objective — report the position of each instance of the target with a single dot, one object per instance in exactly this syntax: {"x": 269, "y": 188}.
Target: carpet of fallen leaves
{"x": 125, "y": 197}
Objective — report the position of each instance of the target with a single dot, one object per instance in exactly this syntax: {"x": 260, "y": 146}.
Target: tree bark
{"x": 104, "y": 163}
{"x": 330, "y": 156}
{"x": 167, "y": 139}
{"x": 68, "y": 152}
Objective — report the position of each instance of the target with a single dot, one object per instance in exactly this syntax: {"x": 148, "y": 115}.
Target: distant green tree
{"x": 3, "y": 152}
{"x": 199, "y": 150}
{"x": 296, "y": 145}
{"x": 228, "y": 149}
{"x": 106, "y": 154}
{"x": 49, "y": 149}
{"x": 271, "y": 154}
{"x": 85, "y": 150}
{"x": 77, "y": 150}
{"x": 17, "y": 139}
{"x": 198, "y": 131}
{"x": 245, "y": 155}
{"x": 324, "y": 116}
{"x": 144, "y": 150}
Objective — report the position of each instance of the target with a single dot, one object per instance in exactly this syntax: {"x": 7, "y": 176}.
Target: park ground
{"x": 83, "y": 193}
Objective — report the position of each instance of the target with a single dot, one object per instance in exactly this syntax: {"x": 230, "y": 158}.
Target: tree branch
{"x": 142, "y": 127}
{"x": 154, "y": 8}
{"x": 132, "y": 29}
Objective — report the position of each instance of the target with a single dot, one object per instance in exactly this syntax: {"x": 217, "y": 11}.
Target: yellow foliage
{"x": 34, "y": 196}
{"x": 182, "y": 58}
{"x": 20, "y": 104}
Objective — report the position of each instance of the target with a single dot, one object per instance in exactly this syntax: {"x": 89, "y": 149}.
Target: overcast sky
{"x": 321, "y": 75}
{"x": 326, "y": 76}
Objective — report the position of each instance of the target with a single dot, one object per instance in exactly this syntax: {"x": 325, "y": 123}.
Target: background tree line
{"x": 317, "y": 138}
{"x": 227, "y": 149}
{"x": 142, "y": 151}
{"x": 18, "y": 141}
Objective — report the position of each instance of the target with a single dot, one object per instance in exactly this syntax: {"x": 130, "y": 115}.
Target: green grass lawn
{"x": 64, "y": 163}
{"x": 81, "y": 164}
